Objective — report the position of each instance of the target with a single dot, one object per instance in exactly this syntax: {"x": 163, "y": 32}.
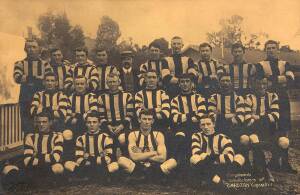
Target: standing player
{"x": 103, "y": 69}
{"x": 82, "y": 67}
{"x": 154, "y": 63}
{"x": 60, "y": 67}
{"x": 29, "y": 73}
{"x": 155, "y": 99}
{"x": 177, "y": 65}
{"x": 209, "y": 71}
{"x": 241, "y": 72}
{"x": 280, "y": 77}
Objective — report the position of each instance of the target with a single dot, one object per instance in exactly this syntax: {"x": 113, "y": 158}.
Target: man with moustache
{"x": 128, "y": 75}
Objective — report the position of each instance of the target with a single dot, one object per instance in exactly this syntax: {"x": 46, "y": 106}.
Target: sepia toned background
{"x": 139, "y": 22}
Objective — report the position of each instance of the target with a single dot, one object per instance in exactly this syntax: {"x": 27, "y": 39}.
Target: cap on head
{"x": 126, "y": 53}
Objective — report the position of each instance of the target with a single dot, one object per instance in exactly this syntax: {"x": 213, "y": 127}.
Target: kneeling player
{"x": 212, "y": 153}
{"x": 42, "y": 151}
{"x": 147, "y": 149}
{"x": 94, "y": 151}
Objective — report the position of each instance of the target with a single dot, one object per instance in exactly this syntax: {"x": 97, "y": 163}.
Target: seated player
{"x": 228, "y": 108}
{"x": 262, "y": 116}
{"x": 212, "y": 153}
{"x": 147, "y": 150}
{"x": 42, "y": 152}
{"x": 155, "y": 99}
{"x": 94, "y": 151}
{"x": 186, "y": 110}
{"x": 51, "y": 98}
{"x": 81, "y": 101}
{"x": 116, "y": 111}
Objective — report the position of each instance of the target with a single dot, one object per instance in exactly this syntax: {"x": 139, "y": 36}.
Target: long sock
{"x": 178, "y": 147}
{"x": 258, "y": 159}
{"x": 274, "y": 163}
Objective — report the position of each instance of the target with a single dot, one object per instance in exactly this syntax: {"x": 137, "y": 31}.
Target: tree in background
{"x": 253, "y": 41}
{"x": 108, "y": 34}
{"x": 232, "y": 31}
{"x": 56, "y": 31}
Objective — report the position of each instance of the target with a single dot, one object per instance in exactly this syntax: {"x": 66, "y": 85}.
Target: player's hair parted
{"x": 176, "y": 37}
{"x": 84, "y": 49}
{"x": 92, "y": 114}
{"x": 146, "y": 112}
{"x": 50, "y": 74}
{"x": 46, "y": 112}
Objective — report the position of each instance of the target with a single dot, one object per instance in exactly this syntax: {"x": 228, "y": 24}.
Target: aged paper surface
{"x": 141, "y": 22}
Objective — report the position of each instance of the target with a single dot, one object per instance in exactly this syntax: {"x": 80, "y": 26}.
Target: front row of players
{"x": 95, "y": 151}
{"x": 211, "y": 154}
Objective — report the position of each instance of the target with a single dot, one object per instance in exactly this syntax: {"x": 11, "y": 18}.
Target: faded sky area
{"x": 146, "y": 20}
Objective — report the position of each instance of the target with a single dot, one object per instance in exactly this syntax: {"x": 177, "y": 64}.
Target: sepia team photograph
{"x": 150, "y": 97}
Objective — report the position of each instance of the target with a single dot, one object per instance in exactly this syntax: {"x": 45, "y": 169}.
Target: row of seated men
{"x": 211, "y": 154}
{"x": 244, "y": 120}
